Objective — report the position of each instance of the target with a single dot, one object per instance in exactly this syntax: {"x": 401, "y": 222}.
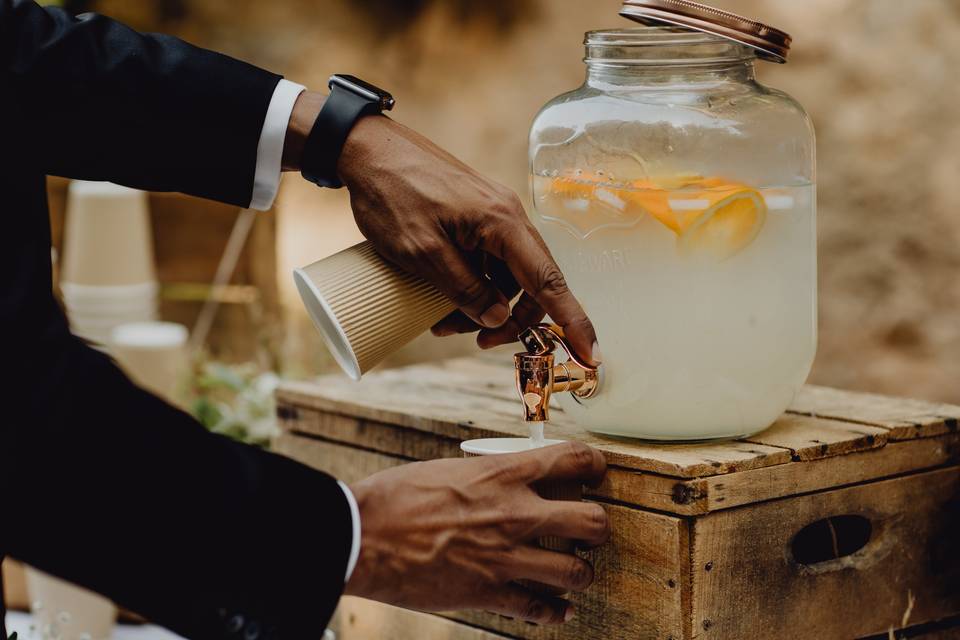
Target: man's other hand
{"x": 458, "y": 534}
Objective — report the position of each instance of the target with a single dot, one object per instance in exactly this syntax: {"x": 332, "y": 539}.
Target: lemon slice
{"x": 719, "y": 223}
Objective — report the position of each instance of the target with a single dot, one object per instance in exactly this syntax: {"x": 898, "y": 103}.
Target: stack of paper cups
{"x": 366, "y": 308}
{"x": 64, "y": 610}
{"x": 107, "y": 275}
{"x": 552, "y": 490}
{"x": 153, "y": 354}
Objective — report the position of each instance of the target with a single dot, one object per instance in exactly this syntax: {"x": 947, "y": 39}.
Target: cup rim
{"x": 166, "y": 335}
{"x": 497, "y": 446}
{"x": 327, "y": 324}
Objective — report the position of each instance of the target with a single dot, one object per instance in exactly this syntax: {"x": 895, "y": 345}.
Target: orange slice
{"x": 718, "y": 223}
{"x": 711, "y": 217}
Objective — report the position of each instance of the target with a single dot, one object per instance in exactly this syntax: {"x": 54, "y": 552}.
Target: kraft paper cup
{"x": 153, "y": 354}
{"x": 107, "y": 236}
{"x": 366, "y": 308}
{"x": 66, "y": 611}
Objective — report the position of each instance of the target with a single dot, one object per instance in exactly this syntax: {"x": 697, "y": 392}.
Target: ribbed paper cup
{"x": 64, "y": 610}
{"x": 548, "y": 490}
{"x": 366, "y": 308}
{"x": 107, "y": 236}
{"x": 154, "y": 355}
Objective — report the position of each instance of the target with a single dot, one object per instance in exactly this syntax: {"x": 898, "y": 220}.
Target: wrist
{"x": 368, "y": 134}
{"x": 305, "y": 112}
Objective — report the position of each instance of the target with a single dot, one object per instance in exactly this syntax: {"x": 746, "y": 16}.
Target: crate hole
{"x": 831, "y": 538}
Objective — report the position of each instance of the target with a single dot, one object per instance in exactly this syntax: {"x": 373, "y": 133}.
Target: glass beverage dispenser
{"x": 677, "y": 194}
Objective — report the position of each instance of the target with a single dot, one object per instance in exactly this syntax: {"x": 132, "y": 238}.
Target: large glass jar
{"x": 677, "y": 194}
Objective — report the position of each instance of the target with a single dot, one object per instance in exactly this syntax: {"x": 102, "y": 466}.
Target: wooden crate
{"x": 705, "y": 536}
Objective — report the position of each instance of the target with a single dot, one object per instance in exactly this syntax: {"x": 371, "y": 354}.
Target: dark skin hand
{"x": 458, "y": 534}
{"x": 432, "y": 215}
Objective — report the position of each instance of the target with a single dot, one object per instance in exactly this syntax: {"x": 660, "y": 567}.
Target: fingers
{"x": 503, "y": 280}
{"x": 522, "y": 248}
{"x": 566, "y": 461}
{"x": 517, "y": 602}
{"x": 447, "y": 269}
{"x": 565, "y": 571}
{"x": 456, "y": 322}
{"x": 525, "y": 313}
{"x": 585, "y": 522}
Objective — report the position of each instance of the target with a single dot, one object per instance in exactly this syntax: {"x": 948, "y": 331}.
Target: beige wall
{"x": 876, "y": 75}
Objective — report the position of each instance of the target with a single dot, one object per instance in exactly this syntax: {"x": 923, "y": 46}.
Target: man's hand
{"x": 431, "y": 214}
{"x": 456, "y": 534}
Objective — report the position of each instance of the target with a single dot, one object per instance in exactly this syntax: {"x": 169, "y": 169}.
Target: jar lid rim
{"x": 770, "y": 43}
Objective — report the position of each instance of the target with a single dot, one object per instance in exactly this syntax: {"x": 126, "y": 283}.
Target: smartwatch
{"x": 349, "y": 100}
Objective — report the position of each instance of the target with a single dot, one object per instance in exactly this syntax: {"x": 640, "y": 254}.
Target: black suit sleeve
{"x": 96, "y": 100}
{"x": 102, "y": 483}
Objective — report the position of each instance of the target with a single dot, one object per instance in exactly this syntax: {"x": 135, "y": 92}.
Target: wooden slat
{"x": 654, "y": 491}
{"x": 714, "y": 493}
{"x": 813, "y": 438}
{"x": 390, "y": 398}
{"x": 905, "y": 418}
{"x": 639, "y": 588}
{"x": 469, "y": 398}
{"x": 359, "y": 619}
{"x": 338, "y": 461}
{"x": 744, "y": 578}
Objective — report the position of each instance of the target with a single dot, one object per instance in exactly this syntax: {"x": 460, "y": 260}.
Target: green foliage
{"x": 235, "y": 401}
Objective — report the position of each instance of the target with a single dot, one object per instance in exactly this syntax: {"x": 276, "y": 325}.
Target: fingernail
{"x": 569, "y": 613}
{"x": 495, "y": 316}
{"x": 595, "y": 353}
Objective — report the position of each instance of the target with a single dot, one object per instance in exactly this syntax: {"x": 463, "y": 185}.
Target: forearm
{"x": 91, "y": 98}
{"x": 259, "y": 536}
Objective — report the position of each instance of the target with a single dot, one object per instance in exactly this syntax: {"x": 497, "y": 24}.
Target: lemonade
{"x": 702, "y": 291}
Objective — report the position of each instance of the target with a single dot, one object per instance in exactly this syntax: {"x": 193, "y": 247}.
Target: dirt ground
{"x": 874, "y": 74}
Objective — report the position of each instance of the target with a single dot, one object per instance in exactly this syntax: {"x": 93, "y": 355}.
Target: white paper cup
{"x": 153, "y": 354}
{"x": 66, "y": 611}
{"x": 107, "y": 236}
{"x": 366, "y": 308}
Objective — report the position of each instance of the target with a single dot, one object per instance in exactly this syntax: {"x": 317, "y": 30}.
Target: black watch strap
{"x": 322, "y": 151}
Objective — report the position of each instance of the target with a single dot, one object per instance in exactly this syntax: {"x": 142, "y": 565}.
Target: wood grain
{"x": 359, "y": 619}
{"x": 392, "y": 397}
{"x": 811, "y": 438}
{"x": 904, "y": 418}
{"x": 744, "y": 577}
{"x": 466, "y": 398}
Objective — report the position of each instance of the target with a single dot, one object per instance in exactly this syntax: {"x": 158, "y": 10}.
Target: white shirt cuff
{"x": 355, "y": 544}
{"x": 266, "y": 179}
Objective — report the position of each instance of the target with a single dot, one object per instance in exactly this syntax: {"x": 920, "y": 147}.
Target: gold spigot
{"x": 538, "y": 378}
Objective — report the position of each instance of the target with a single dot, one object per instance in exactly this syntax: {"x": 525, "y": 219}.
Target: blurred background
{"x": 471, "y": 75}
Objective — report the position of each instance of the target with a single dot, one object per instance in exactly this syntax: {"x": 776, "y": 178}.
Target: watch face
{"x": 365, "y": 89}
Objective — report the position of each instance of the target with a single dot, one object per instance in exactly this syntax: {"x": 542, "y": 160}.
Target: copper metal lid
{"x": 771, "y": 44}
